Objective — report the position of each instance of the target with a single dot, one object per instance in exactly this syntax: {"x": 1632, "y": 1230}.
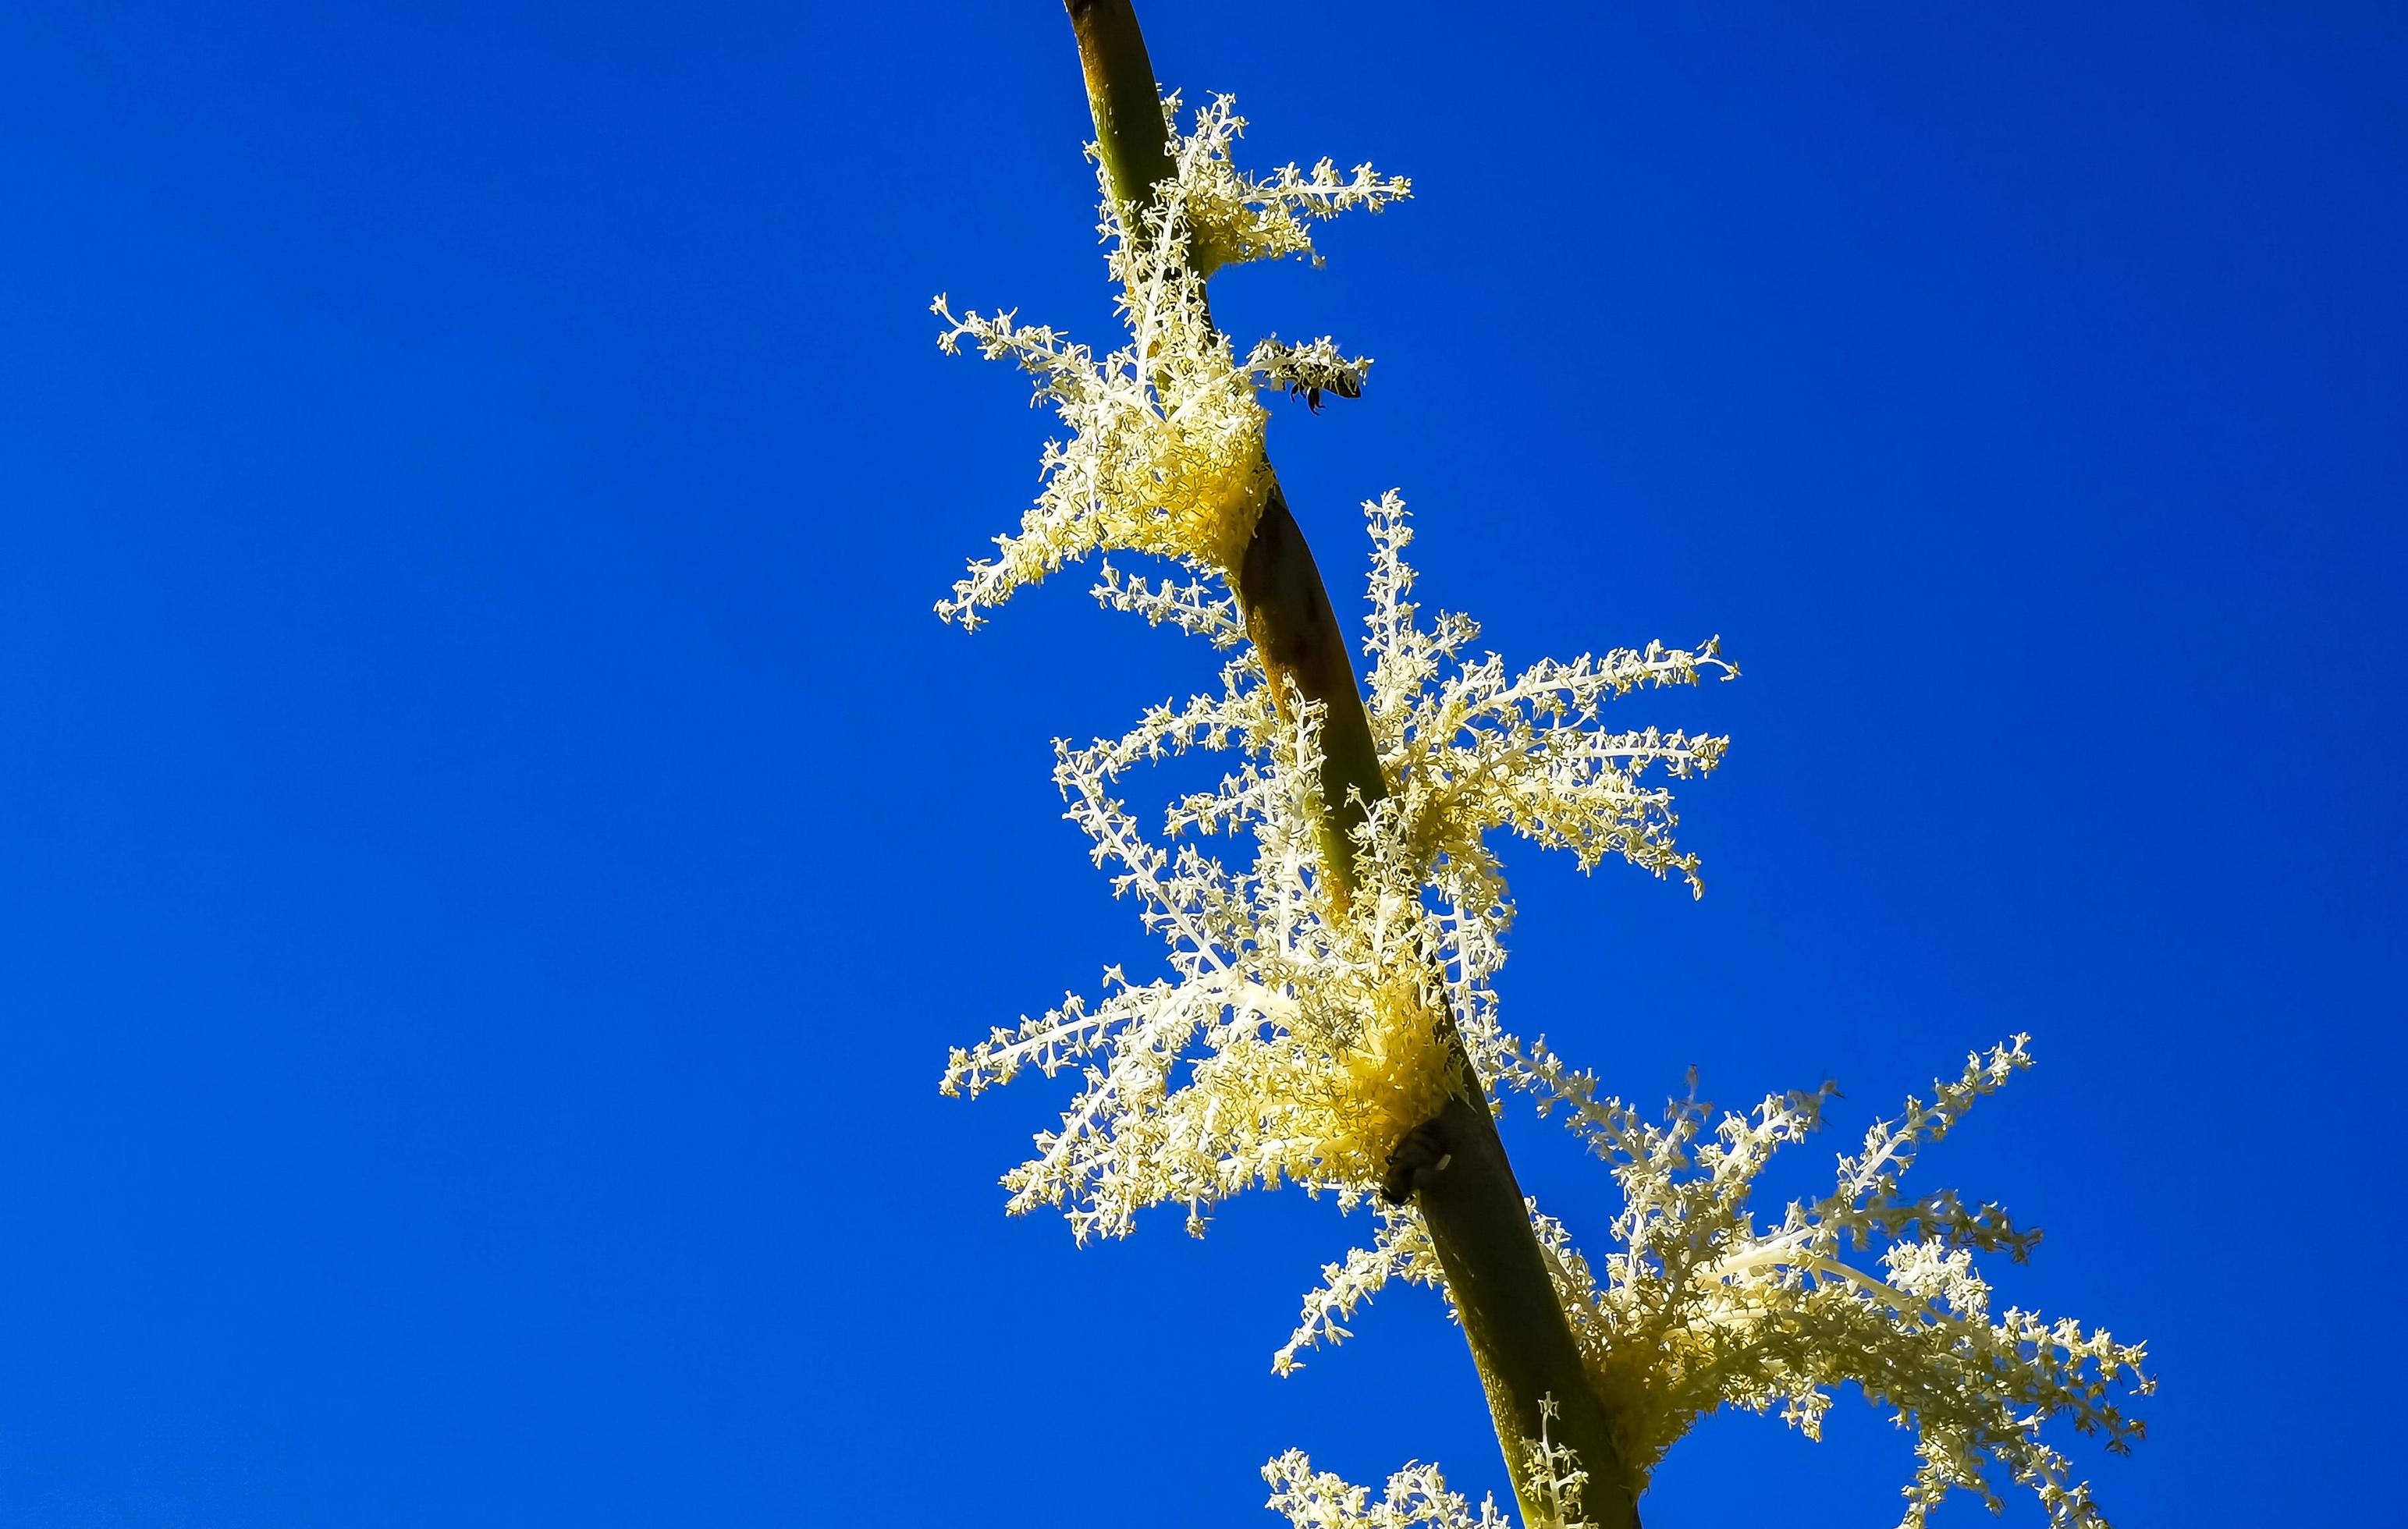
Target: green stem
{"x": 1479, "y": 1223}
{"x": 1303, "y": 652}
{"x": 1125, "y": 99}
{"x": 1514, "y": 1321}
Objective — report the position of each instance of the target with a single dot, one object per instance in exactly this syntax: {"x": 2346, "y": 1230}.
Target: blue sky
{"x": 494, "y": 846}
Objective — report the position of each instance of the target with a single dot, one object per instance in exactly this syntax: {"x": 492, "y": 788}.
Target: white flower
{"x": 1698, "y": 1307}
{"x": 1289, "y": 1042}
{"x": 1165, "y": 452}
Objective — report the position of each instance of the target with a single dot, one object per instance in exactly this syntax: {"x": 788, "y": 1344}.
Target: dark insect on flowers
{"x": 1416, "y": 1158}
{"x": 1338, "y": 382}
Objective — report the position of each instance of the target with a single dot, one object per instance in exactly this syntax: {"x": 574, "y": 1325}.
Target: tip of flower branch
{"x": 1166, "y": 451}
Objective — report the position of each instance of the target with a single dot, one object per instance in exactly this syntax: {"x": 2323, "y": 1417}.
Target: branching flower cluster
{"x": 1166, "y": 451}
{"x": 1698, "y": 1307}
{"x": 1418, "y": 1494}
{"x": 1295, "y": 1035}
{"x": 1289, "y": 1043}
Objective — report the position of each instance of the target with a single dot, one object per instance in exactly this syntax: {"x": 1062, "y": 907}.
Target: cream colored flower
{"x": 1289, "y": 1042}
{"x": 1698, "y": 1307}
{"x": 1166, "y": 448}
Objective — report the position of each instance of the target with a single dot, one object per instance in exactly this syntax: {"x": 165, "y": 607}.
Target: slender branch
{"x": 1303, "y": 652}
{"x": 1124, "y": 98}
{"x": 1462, "y": 1181}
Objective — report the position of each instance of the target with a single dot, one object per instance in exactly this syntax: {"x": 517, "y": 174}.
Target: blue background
{"x": 494, "y": 846}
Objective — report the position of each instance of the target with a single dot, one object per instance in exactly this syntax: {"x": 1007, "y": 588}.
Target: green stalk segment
{"x": 1125, "y": 99}
{"x": 1296, "y": 635}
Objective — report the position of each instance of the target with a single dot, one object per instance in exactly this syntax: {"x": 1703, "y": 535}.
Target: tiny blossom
{"x": 1418, "y": 1494}
{"x": 1165, "y": 452}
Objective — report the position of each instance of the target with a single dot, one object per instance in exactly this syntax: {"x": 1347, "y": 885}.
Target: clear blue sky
{"x": 494, "y": 846}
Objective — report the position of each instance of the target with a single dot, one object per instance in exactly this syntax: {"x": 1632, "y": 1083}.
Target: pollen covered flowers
{"x": 1288, "y": 1041}
{"x": 1166, "y": 451}
{"x": 1698, "y": 1307}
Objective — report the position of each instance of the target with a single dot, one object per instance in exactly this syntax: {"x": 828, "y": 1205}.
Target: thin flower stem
{"x": 1520, "y": 1340}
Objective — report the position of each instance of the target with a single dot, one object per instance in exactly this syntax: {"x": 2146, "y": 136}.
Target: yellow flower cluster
{"x": 1166, "y": 450}
{"x": 1289, "y": 1042}
{"x": 1699, "y": 1308}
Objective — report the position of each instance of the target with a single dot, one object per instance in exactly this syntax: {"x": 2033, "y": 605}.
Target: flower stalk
{"x": 1454, "y": 1166}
